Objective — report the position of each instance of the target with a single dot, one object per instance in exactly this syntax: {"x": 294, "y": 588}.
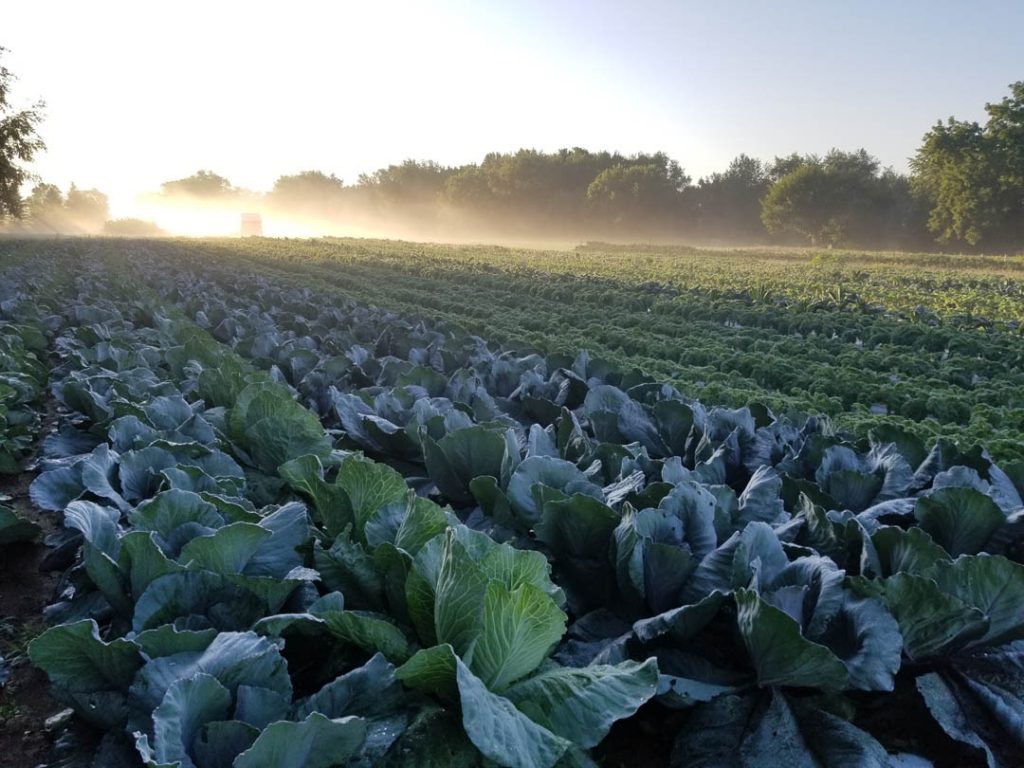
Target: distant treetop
{"x": 199, "y": 184}
{"x": 19, "y": 143}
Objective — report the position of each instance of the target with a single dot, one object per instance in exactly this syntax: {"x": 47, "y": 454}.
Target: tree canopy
{"x": 729, "y": 203}
{"x": 48, "y": 210}
{"x": 205, "y": 184}
{"x": 89, "y": 209}
{"x": 309, "y": 193}
{"x": 973, "y": 175}
{"x": 412, "y": 181}
{"x": 305, "y": 184}
{"x": 19, "y": 143}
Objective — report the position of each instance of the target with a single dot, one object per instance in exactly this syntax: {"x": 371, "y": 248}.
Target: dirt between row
{"x": 25, "y": 590}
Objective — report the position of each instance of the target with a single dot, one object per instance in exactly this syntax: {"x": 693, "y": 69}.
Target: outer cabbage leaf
{"x": 520, "y": 628}
{"x": 14, "y": 528}
{"x": 582, "y": 704}
{"x": 500, "y": 731}
{"x": 578, "y": 530}
{"x": 187, "y": 706}
{"x": 234, "y": 658}
{"x": 316, "y": 742}
{"x": 779, "y": 651}
{"x": 76, "y": 659}
{"x": 994, "y": 586}
{"x": 962, "y": 520}
{"x": 985, "y": 713}
{"x": 458, "y": 457}
{"x": 768, "y": 731}
{"x": 556, "y": 473}
{"x": 272, "y": 428}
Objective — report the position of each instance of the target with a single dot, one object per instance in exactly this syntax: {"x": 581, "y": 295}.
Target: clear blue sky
{"x": 142, "y": 92}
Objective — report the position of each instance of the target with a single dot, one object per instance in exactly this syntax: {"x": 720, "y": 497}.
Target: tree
{"x": 803, "y": 202}
{"x": 528, "y": 187}
{"x": 205, "y": 184}
{"x": 637, "y": 195}
{"x": 728, "y": 204}
{"x": 87, "y": 209}
{"x": 826, "y": 200}
{"x": 902, "y": 223}
{"x": 412, "y": 182}
{"x": 535, "y": 190}
{"x": 468, "y": 188}
{"x": 305, "y": 185}
{"x": 44, "y": 208}
{"x": 973, "y": 176}
{"x": 1006, "y": 128}
{"x": 81, "y": 211}
{"x": 781, "y": 166}
{"x": 308, "y": 192}
{"x": 842, "y": 198}
{"x": 19, "y": 144}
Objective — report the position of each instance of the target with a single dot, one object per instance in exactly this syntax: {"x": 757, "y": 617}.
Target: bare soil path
{"x": 25, "y": 703}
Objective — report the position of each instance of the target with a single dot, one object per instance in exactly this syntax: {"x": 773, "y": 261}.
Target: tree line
{"x": 965, "y": 191}
{"x": 843, "y": 198}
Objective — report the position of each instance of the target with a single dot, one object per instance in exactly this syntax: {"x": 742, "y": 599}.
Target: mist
{"x": 528, "y": 198}
{"x": 191, "y": 217}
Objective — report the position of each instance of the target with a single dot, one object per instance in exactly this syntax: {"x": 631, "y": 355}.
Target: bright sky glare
{"x": 138, "y": 93}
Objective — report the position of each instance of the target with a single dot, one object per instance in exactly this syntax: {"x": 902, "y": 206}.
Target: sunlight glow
{"x": 138, "y": 94}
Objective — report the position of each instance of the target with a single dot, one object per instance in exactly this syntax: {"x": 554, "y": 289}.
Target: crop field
{"x": 926, "y": 344}
{"x": 301, "y": 504}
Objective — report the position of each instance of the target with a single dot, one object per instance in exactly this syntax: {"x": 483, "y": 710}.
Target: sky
{"x": 138, "y": 93}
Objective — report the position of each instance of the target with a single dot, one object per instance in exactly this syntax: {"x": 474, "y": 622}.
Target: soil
{"x": 25, "y": 703}
{"x": 643, "y": 741}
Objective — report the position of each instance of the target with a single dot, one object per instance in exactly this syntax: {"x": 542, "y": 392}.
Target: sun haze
{"x": 139, "y": 93}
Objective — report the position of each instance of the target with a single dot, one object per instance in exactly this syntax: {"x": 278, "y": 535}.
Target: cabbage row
{"x": 220, "y": 646}
{"x": 920, "y": 367}
{"x": 24, "y": 345}
{"x": 23, "y": 374}
{"x": 320, "y": 534}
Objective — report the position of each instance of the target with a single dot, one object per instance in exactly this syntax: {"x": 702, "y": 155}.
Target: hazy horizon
{"x": 137, "y": 96}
